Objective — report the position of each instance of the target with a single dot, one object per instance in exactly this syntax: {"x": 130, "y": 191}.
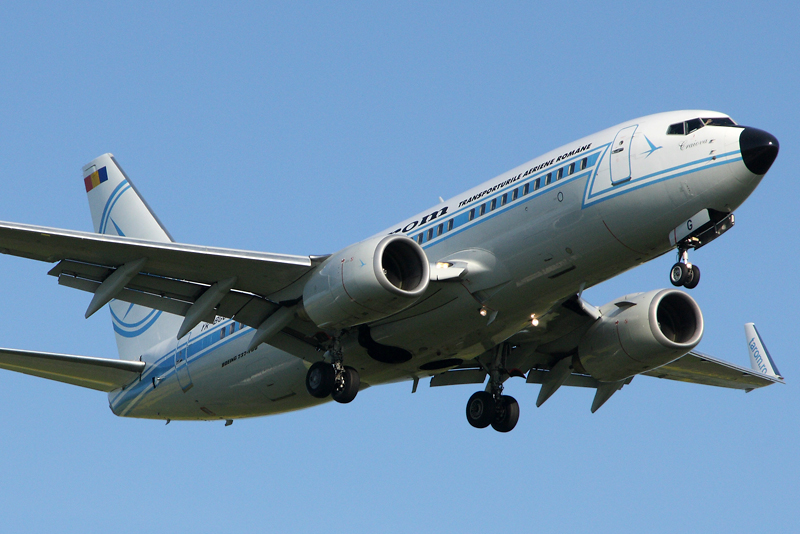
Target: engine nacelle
{"x": 639, "y": 333}
{"x": 367, "y": 281}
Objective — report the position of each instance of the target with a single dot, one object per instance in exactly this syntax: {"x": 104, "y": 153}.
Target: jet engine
{"x": 366, "y": 281}
{"x": 640, "y": 332}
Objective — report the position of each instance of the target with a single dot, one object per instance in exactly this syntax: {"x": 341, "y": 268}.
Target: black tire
{"x": 348, "y": 391}
{"x": 320, "y": 379}
{"x": 480, "y": 409}
{"x": 678, "y": 274}
{"x": 507, "y": 416}
{"x": 693, "y": 279}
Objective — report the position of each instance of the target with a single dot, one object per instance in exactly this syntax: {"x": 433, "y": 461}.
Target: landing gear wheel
{"x": 506, "y": 415}
{"x": 693, "y": 278}
{"x": 678, "y": 274}
{"x": 347, "y": 386}
{"x": 320, "y": 379}
{"x": 481, "y": 409}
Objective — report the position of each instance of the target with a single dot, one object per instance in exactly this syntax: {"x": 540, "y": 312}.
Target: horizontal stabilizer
{"x": 101, "y": 374}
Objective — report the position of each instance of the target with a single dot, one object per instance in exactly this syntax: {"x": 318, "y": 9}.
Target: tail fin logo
{"x": 141, "y": 321}
{"x": 96, "y": 178}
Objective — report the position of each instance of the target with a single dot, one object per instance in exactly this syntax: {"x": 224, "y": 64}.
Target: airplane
{"x": 478, "y": 289}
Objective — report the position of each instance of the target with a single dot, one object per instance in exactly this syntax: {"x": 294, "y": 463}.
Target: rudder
{"x": 118, "y": 208}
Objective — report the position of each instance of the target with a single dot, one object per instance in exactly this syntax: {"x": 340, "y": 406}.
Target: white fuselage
{"x": 534, "y": 244}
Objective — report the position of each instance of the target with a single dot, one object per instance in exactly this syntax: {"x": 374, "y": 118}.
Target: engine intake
{"x": 639, "y": 333}
{"x": 367, "y": 281}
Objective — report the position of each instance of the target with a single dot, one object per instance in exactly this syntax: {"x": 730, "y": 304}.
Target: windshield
{"x": 692, "y": 125}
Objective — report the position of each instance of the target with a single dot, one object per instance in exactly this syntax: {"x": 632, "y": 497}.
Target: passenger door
{"x": 621, "y": 155}
{"x": 182, "y": 363}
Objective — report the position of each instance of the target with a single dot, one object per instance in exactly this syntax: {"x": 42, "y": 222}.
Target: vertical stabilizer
{"x": 118, "y": 209}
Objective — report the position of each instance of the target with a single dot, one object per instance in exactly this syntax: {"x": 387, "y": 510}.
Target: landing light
{"x": 534, "y": 320}
{"x": 443, "y": 265}
{"x": 483, "y": 312}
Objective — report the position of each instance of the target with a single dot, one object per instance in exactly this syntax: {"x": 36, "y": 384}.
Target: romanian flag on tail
{"x": 96, "y": 178}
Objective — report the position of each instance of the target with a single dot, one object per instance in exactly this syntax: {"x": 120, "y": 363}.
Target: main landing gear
{"x": 491, "y": 407}
{"x": 684, "y": 273}
{"x": 334, "y": 379}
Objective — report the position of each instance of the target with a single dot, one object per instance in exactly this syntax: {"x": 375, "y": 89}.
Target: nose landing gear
{"x": 699, "y": 230}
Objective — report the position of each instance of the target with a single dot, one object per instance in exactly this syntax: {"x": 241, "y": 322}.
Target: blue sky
{"x": 301, "y": 128}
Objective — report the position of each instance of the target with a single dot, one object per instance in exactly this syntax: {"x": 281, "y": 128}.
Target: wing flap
{"x": 456, "y": 377}
{"x": 101, "y": 374}
{"x": 699, "y": 368}
{"x": 171, "y": 296}
{"x": 256, "y": 272}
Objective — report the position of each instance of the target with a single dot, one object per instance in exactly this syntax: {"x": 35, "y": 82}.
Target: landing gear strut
{"x": 684, "y": 273}
{"x": 491, "y": 407}
{"x": 334, "y": 379}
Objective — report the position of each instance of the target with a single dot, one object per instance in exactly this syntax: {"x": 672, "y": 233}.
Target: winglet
{"x": 760, "y": 359}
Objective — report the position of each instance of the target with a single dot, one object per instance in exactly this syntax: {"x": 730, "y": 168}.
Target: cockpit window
{"x": 719, "y": 121}
{"x": 675, "y": 129}
{"x": 683, "y": 128}
{"x": 693, "y": 125}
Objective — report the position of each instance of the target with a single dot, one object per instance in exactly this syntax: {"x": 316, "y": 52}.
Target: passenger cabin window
{"x": 535, "y": 184}
{"x": 493, "y": 205}
{"x": 559, "y": 173}
{"x": 483, "y": 209}
{"x": 418, "y": 239}
{"x": 439, "y": 229}
{"x": 584, "y": 162}
{"x": 548, "y": 178}
{"x": 571, "y": 168}
{"x": 471, "y": 214}
{"x": 514, "y": 194}
{"x": 503, "y": 199}
{"x": 449, "y": 225}
{"x": 525, "y": 189}
{"x": 430, "y": 234}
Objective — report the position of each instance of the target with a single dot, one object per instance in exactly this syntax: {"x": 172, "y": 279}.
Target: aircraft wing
{"x": 699, "y": 368}
{"x": 163, "y": 276}
{"x": 101, "y": 374}
{"x": 546, "y": 353}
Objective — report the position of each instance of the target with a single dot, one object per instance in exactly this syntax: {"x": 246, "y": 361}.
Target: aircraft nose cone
{"x": 759, "y": 149}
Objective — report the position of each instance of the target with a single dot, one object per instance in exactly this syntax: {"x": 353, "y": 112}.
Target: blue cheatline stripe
{"x": 665, "y": 171}
{"x": 628, "y": 188}
{"x": 112, "y": 200}
{"x": 460, "y": 215}
{"x": 165, "y": 367}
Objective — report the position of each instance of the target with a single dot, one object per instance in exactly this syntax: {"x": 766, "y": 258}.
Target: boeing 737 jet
{"x": 478, "y": 289}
